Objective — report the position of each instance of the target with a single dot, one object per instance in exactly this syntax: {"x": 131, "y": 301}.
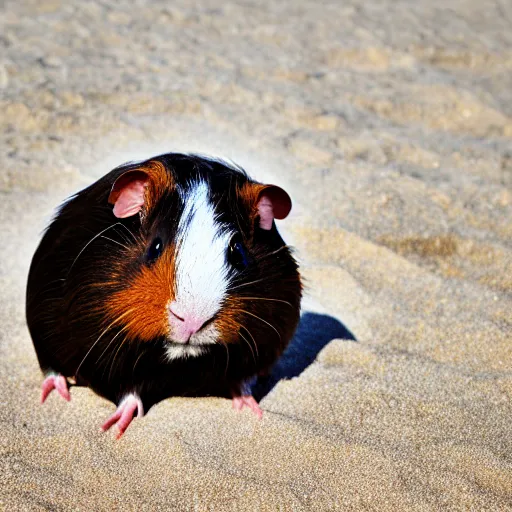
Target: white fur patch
{"x": 206, "y": 336}
{"x": 179, "y": 351}
{"x": 201, "y": 266}
{"x": 195, "y": 347}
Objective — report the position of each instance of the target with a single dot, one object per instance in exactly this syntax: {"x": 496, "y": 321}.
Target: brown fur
{"x": 154, "y": 288}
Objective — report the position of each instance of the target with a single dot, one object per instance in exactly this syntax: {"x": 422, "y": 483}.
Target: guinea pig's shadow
{"x": 313, "y": 334}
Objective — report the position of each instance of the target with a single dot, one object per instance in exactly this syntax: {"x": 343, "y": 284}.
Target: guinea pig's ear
{"x": 128, "y": 193}
{"x": 273, "y": 203}
{"x": 139, "y": 188}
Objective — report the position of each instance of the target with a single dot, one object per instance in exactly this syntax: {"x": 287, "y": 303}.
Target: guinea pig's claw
{"x": 130, "y": 407}
{"x": 239, "y": 402}
{"x": 57, "y": 382}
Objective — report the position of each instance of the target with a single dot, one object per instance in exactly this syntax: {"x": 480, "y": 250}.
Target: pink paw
{"x": 57, "y": 382}
{"x": 239, "y": 402}
{"x": 124, "y": 414}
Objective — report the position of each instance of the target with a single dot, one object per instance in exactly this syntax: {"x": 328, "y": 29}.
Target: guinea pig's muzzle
{"x": 189, "y": 327}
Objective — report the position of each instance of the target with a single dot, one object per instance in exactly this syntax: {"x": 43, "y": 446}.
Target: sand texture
{"x": 390, "y": 123}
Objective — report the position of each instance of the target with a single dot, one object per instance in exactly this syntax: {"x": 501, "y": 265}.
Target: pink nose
{"x": 183, "y": 325}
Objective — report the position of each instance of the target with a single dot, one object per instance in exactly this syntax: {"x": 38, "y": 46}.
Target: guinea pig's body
{"x": 164, "y": 278}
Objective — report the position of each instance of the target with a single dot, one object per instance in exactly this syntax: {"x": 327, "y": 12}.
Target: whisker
{"x": 264, "y": 298}
{"x": 125, "y": 238}
{"x": 252, "y": 338}
{"x": 274, "y": 252}
{"x": 142, "y": 352}
{"x": 118, "y": 243}
{"x": 92, "y": 240}
{"x": 247, "y": 284}
{"x": 114, "y": 358}
{"x": 247, "y": 341}
{"x": 227, "y": 357}
{"x": 46, "y": 287}
{"x": 123, "y": 226}
{"x": 111, "y": 341}
{"x": 255, "y": 316}
{"x": 100, "y": 336}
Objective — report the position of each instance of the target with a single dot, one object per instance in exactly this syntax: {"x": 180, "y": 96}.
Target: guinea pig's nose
{"x": 183, "y": 325}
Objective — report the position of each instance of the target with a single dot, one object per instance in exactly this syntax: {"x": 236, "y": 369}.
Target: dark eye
{"x": 237, "y": 253}
{"x": 155, "y": 249}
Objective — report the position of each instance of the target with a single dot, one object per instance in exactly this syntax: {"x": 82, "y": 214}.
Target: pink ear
{"x": 127, "y": 194}
{"x": 273, "y": 203}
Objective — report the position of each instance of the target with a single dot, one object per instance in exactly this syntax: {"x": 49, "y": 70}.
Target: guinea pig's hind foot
{"x": 239, "y": 402}
{"x": 55, "y": 381}
{"x": 129, "y": 407}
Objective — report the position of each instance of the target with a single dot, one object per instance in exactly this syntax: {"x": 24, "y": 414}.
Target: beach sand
{"x": 390, "y": 123}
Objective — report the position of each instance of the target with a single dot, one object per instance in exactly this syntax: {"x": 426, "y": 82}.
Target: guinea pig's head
{"x": 208, "y": 266}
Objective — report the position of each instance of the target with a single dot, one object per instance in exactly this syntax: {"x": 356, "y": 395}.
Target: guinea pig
{"x": 164, "y": 278}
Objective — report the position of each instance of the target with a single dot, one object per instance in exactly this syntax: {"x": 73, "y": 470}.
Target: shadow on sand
{"x": 314, "y": 332}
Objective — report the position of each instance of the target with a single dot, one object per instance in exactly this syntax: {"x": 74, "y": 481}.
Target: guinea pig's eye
{"x": 155, "y": 249}
{"x": 237, "y": 253}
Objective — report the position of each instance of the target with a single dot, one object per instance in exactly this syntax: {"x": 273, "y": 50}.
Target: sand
{"x": 390, "y": 123}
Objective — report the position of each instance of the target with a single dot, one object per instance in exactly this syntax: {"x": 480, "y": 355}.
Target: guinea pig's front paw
{"x": 55, "y": 381}
{"x": 124, "y": 414}
{"x": 239, "y": 402}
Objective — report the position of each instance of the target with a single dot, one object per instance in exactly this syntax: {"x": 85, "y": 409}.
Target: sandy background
{"x": 390, "y": 122}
